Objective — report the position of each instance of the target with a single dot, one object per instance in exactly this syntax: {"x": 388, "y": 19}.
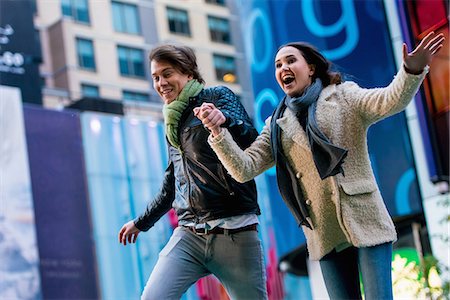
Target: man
{"x": 217, "y": 215}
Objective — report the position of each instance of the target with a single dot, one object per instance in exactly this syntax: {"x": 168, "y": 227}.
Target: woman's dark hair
{"x": 180, "y": 57}
{"x": 321, "y": 64}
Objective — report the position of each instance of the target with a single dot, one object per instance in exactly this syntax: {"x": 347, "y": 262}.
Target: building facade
{"x": 100, "y": 48}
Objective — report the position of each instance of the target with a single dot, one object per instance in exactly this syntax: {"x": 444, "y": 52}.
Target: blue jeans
{"x": 235, "y": 259}
{"x": 341, "y": 273}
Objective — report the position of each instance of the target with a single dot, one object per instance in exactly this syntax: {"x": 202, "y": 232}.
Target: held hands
{"x": 128, "y": 232}
{"x": 210, "y": 116}
{"x": 422, "y": 55}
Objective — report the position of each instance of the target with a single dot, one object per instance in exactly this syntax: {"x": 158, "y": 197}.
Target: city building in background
{"x": 83, "y": 134}
{"x": 106, "y": 56}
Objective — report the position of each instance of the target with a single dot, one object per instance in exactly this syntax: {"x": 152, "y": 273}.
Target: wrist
{"x": 411, "y": 71}
{"x": 216, "y": 131}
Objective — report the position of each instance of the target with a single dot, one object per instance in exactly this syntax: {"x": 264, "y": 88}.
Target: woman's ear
{"x": 312, "y": 69}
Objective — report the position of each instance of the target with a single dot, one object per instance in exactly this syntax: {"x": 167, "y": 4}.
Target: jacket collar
{"x": 327, "y": 92}
{"x": 292, "y": 128}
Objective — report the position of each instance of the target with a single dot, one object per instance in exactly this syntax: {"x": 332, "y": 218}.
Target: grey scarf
{"x": 328, "y": 158}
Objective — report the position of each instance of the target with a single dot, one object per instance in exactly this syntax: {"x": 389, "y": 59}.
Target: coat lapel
{"x": 292, "y": 129}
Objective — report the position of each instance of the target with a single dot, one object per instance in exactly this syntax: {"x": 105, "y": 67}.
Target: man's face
{"x": 167, "y": 81}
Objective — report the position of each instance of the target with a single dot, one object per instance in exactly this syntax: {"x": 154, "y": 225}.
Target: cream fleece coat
{"x": 343, "y": 210}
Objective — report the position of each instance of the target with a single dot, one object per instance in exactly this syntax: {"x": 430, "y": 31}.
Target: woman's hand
{"x": 211, "y": 117}
{"x": 422, "y": 55}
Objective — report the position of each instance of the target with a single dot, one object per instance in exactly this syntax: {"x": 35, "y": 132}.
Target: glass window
{"x": 219, "y": 30}
{"x": 131, "y": 61}
{"x": 85, "y": 52}
{"x": 135, "y": 96}
{"x": 225, "y": 68}
{"x": 178, "y": 21}
{"x": 125, "y": 18}
{"x": 218, "y": 2}
{"x": 77, "y": 9}
{"x": 89, "y": 90}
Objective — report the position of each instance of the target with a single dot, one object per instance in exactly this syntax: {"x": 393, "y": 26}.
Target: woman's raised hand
{"x": 422, "y": 55}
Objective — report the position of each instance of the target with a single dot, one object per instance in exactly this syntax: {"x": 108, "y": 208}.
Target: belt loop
{"x": 226, "y": 232}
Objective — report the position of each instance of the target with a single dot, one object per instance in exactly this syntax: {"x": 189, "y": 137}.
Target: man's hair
{"x": 180, "y": 57}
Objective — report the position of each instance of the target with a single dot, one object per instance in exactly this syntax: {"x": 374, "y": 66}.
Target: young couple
{"x": 317, "y": 140}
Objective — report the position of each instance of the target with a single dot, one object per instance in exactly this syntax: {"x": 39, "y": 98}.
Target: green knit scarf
{"x": 172, "y": 112}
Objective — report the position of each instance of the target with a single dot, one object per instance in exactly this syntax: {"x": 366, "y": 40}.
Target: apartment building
{"x": 99, "y": 48}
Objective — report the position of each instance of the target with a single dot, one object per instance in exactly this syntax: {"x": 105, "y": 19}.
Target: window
{"x": 125, "y": 18}
{"x": 77, "y": 9}
{"x": 219, "y": 30}
{"x": 135, "y": 96}
{"x": 178, "y": 21}
{"x": 218, "y": 2}
{"x": 225, "y": 68}
{"x": 85, "y": 52}
{"x": 89, "y": 90}
{"x": 131, "y": 61}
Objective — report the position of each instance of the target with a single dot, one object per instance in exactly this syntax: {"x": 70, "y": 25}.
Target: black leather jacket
{"x": 196, "y": 184}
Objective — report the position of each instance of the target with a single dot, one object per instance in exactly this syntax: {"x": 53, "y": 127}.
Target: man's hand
{"x": 211, "y": 117}
{"x": 128, "y": 232}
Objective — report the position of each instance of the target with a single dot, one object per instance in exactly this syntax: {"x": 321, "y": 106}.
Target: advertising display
{"x": 20, "y": 52}
{"x": 63, "y": 225}
{"x": 125, "y": 163}
{"x": 417, "y": 19}
{"x": 19, "y": 267}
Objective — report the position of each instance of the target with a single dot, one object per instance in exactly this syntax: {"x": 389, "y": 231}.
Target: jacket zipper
{"x": 188, "y": 181}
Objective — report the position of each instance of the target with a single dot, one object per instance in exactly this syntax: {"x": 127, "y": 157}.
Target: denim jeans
{"x": 235, "y": 259}
{"x": 342, "y": 276}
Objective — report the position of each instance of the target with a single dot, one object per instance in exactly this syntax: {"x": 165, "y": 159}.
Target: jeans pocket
{"x": 170, "y": 245}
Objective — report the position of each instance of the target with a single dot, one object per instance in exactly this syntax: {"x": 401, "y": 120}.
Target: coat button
{"x": 308, "y": 202}
{"x": 298, "y": 175}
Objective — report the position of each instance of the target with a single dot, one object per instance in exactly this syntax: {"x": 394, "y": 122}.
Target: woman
{"x": 317, "y": 138}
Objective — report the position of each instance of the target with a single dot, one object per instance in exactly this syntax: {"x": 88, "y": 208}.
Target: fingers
{"x": 405, "y": 51}
{"x": 426, "y": 40}
{"x": 436, "y": 44}
{"x": 431, "y": 38}
{"x": 432, "y": 42}
{"x": 202, "y": 108}
{"x": 120, "y": 235}
{"x": 128, "y": 237}
{"x": 196, "y": 111}
{"x": 129, "y": 233}
{"x": 210, "y": 116}
{"x": 214, "y": 119}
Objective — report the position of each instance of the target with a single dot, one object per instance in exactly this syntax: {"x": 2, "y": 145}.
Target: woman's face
{"x": 292, "y": 72}
{"x": 167, "y": 80}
